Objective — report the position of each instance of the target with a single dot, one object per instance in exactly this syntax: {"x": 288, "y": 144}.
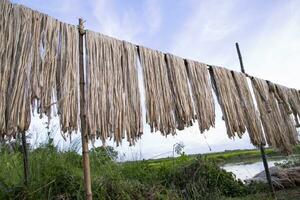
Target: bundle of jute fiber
{"x": 202, "y": 94}
{"x": 67, "y": 78}
{"x": 39, "y": 61}
{"x": 37, "y": 28}
{"x": 286, "y": 102}
{"x": 54, "y": 71}
{"x": 178, "y": 78}
{"x": 113, "y": 99}
{"x": 6, "y": 40}
{"x": 290, "y": 130}
{"x": 228, "y": 98}
{"x": 96, "y": 104}
{"x": 290, "y": 100}
{"x": 100, "y": 87}
{"x": 294, "y": 101}
{"x": 253, "y": 123}
{"x": 159, "y": 99}
{"x": 16, "y": 70}
{"x": 133, "y": 109}
{"x": 4, "y": 2}
{"x": 261, "y": 92}
{"x": 271, "y": 117}
{"x": 46, "y": 72}
{"x": 288, "y": 127}
{"x": 282, "y": 96}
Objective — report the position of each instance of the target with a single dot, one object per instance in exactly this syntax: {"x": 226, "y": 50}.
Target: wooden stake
{"x": 261, "y": 147}
{"x": 84, "y": 135}
{"x": 25, "y": 159}
{"x": 240, "y": 57}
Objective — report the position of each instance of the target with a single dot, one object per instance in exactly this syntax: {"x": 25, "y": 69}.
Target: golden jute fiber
{"x": 286, "y": 101}
{"x": 113, "y": 98}
{"x": 251, "y": 116}
{"x": 178, "y": 80}
{"x": 294, "y": 102}
{"x": 201, "y": 89}
{"x": 274, "y": 116}
{"x": 39, "y": 69}
{"x": 228, "y": 98}
{"x": 15, "y": 70}
{"x": 159, "y": 98}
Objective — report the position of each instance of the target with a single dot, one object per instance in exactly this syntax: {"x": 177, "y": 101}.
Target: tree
{"x": 104, "y": 154}
{"x": 178, "y": 148}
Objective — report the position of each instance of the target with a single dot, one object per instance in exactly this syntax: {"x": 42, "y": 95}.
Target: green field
{"x": 232, "y": 156}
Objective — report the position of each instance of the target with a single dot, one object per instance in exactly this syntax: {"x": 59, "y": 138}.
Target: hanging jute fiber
{"x": 178, "y": 78}
{"x": 228, "y": 98}
{"x": 159, "y": 98}
{"x": 67, "y": 78}
{"x": 168, "y": 98}
{"x": 15, "y": 69}
{"x": 285, "y": 101}
{"x": 39, "y": 69}
{"x": 54, "y": 72}
{"x": 253, "y": 123}
{"x": 113, "y": 99}
{"x": 294, "y": 102}
{"x": 202, "y": 94}
{"x": 274, "y": 116}
{"x": 133, "y": 109}
{"x": 6, "y": 41}
{"x": 282, "y": 95}
{"x": 289, "y": 129}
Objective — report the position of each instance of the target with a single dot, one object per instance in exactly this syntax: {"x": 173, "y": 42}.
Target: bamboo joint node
{"x": 81, "y": 26}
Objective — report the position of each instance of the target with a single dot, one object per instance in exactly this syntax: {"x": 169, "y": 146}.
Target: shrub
{"x": 203, "y": 179}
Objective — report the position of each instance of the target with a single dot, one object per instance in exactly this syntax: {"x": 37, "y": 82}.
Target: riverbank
{"x": 230, "y": 156}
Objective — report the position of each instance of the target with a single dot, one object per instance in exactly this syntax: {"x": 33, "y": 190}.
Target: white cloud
{"x": 203, "y": 34}
{"x": 274, "y": 53}
{"x": 113, "y": 23}
{"x": 153, "y": 16}
{"x": 270, "y": 41}
{"x": 127, "y": 24}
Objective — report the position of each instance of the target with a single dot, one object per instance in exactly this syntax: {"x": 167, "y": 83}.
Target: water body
{"x": 245, "y": 170}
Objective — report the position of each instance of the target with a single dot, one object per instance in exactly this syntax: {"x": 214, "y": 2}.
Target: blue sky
{"x": 268, "y": 32}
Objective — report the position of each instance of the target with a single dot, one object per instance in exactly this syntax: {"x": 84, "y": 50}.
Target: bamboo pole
{"x": 25, "y": 159}
{"x": 84, "y": 135}
{"x": 261, "y": 146}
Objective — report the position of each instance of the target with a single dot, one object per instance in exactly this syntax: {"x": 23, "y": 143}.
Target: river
{"x": 245, "y": 170}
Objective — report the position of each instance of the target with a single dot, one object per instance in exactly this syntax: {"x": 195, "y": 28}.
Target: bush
{"x": 103, "y": 154}
{"x": 203, "y": 179}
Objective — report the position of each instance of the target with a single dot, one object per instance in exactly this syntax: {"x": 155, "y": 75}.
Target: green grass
{"x": 58, "y": 175}
{"x": 239, "y": 155}
{"x": 223, "y": 157}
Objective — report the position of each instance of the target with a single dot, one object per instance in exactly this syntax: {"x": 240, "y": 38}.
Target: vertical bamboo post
{"x": 25, "y": 159}
{"x": 84, "y": 135}
{"x": 261, "y": 147}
